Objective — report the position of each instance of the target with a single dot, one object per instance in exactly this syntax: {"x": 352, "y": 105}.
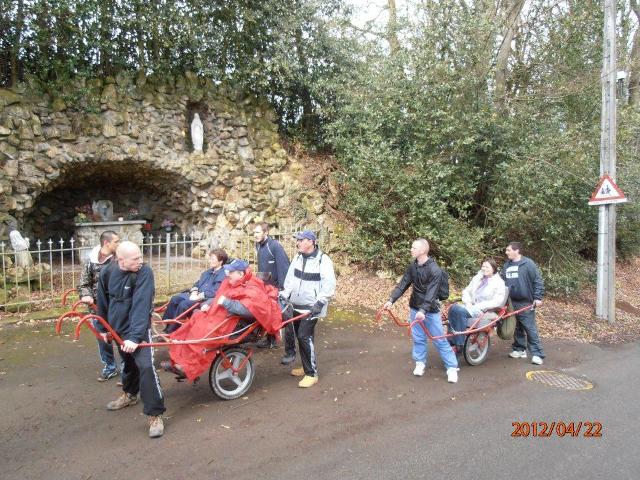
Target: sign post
{"x": 606, "y": 195}
{"x": 606, "y": 291}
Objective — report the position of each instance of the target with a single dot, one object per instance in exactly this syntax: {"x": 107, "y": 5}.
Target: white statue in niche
{"x": 197, "y": 133}
{"x": 20, "y": 246}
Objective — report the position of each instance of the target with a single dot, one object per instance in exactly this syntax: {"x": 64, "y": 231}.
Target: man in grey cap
{"x": 309, "y": 285}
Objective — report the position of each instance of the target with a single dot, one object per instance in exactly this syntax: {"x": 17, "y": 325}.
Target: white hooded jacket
{"x": 492, "y": 295}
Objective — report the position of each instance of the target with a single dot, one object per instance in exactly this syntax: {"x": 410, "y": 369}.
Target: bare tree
{"x": 392, "y": 27}
{"x": 634, "y": 60}
{"x": 15, "y": 51}
{"x": 504, "y": 52}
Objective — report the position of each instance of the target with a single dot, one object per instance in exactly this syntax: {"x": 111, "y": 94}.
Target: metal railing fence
{"x": 176, "y": 259}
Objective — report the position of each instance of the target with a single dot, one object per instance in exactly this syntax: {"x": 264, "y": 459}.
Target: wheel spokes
{"x": 228, "y": 373}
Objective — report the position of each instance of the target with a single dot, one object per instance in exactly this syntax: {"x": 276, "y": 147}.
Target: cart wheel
{"x": 226, "y": 384}
{"x": 476, "y": 348}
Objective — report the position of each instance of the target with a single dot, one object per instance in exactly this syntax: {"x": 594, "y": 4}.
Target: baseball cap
{"x": 237, "y": 265}
{"x": 308, "y": 234}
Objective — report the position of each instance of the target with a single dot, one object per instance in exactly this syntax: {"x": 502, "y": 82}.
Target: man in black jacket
{"x": 523, "y": 279}
{"x": 273, "y": 262}
{"x": 125, "y": 300}
{"x": 424, "y": 275}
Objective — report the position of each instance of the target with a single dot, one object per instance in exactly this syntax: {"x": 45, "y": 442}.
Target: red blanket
{"x": 258, "y": 298}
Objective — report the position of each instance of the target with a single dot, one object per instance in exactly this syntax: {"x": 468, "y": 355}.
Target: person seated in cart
{"x": 204, "y": 289}
{"x": 486, "y": 291}
{"x": 241, "y": 295}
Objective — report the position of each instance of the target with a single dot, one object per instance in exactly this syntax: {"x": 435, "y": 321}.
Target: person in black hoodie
{"x": 273, "y": 263}
{"x": 424, "y": 275}
{"x": 125, "y": 300}
{"x": 522, "y": 277}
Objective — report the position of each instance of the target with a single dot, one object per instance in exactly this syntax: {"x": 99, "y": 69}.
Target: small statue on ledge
{"x": 103, "y": 210}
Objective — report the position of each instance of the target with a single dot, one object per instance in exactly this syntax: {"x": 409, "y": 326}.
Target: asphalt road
{"x": 368, "y": 418}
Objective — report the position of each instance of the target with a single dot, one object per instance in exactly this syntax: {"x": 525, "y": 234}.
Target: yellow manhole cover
{"x": 560, "y": 380}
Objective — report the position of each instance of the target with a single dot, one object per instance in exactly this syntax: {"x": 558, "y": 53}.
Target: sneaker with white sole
{"x": 518, "y": 354}
{"x": 122, "y": 401}
{"x": 536, "y": 360}
{"x": 452, "y": 375}
{"x": 104, "y": 376}
{"x": 419, "y": 370}
{"x": 156, "y": 426}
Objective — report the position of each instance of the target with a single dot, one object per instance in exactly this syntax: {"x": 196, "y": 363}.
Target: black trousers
{"x": 304, "y": 330}
{"x": 289, "y": 339}
{"x": 139, "y": 375}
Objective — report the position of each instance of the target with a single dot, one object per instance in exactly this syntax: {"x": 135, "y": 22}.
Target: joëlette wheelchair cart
{"x": 232, "y": 369}
{"x": 477, "y": 341}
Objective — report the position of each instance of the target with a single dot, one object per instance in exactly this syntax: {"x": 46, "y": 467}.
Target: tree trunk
{"x": 15, "y": 51}
{"x": 504, "y": 52}
{"x": 307, "y": 120}
{"x": 634, "y": 61}
{"x": 392, "y": 28}
{"x": 140, "y": 35}
{"x": 105, "y": 38}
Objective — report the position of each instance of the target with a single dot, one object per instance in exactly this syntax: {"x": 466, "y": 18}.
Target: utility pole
{"x": 606, "y": 289}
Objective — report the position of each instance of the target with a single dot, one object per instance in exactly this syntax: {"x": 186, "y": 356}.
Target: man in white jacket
{"x": 486, "y": 291}
{"x": 309, "y": 285}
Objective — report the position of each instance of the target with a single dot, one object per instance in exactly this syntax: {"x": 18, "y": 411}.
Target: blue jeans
{"x": 458, "y": 316}
{"x": 434, "y": 324}
{"x": 527, "y": 332}
{"x": 107, "y": 357}
{"x": 178, "y": 304}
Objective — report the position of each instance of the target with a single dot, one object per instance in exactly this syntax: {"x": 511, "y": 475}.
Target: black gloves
{"x": 316, "y": 309}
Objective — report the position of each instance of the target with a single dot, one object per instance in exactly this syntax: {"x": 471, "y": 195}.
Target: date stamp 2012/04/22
{"x": 557, "y": 428}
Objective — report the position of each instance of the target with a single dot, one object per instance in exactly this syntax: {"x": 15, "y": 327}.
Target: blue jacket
{"x": 209, "y": 282}
{"x": 273, "y": 259}
{"x": 125, "y": 300}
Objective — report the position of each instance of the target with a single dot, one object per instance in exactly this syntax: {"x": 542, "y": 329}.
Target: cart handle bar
{"x": 503, "y": 314}
{"x": 111, "y": 333}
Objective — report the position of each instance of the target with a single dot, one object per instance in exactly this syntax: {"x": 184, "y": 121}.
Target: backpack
{"x": 443, "y": 287}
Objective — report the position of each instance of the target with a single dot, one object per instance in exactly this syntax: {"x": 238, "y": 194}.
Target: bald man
{"x": 125, "y": 300}
{"x": 423, "y": 274}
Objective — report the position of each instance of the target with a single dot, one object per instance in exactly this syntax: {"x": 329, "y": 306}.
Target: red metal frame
{"x": 208, "y": 340}
{"x": 503, "y": 313}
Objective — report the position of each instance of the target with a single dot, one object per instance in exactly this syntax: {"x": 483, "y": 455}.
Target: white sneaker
{"x": 518, "y": 354}
{"x": 452, "y": 375}
{"x": 536, "y": 360}
{"x": 419, "y": 370}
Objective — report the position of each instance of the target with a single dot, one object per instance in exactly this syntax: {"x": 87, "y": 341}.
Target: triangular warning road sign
{"x": 607, "y": 192}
